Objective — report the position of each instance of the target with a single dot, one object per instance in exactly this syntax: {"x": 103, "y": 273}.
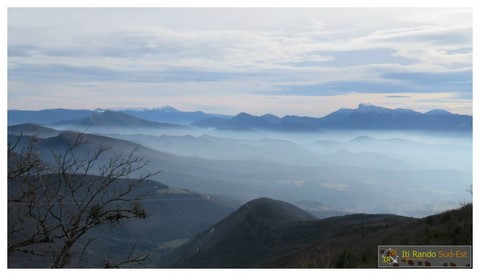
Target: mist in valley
{"x": 409, "y": 173}
{"x": 252, "y": 173}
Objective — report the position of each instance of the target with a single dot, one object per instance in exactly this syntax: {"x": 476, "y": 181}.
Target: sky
{"x": 284, "y": 61}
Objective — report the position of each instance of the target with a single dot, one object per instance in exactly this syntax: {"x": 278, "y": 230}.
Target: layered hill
{"x": 263, "y": 230}
{"x": 32, "y": 130}
{"x": 268, "y": 233}
{"x": 253, "y": 178}
{"x": 47, "y": 116}
{"x": 236, "y": 241}
{"x": 357, "y": 247}
{"x": 426, "y": 154}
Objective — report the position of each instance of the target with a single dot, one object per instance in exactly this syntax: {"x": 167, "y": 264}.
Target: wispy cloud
{"x": 281, "y": 52}
{"x": 397, "y": 96}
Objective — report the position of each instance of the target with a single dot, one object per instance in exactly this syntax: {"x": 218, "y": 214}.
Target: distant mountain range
{"x": 375, "y": 117}
{"x": 275, "y": 150}
{"x": 46, "y": 116}
{"x": 166, "y": 114}
{"x": 247, "y": 122}
{"x": 115, "y": 119}
{"x": 365, "y": 117}
{"x": 425, "y": 155}
{"x": 170, "y": 114}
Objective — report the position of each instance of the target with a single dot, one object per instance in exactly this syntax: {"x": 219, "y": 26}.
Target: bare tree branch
{"x": 131, "y": 258}
{"x": 51, "y": 206}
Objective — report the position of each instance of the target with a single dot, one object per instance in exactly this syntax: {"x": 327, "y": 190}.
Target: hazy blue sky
{"x": 282, "y": 61}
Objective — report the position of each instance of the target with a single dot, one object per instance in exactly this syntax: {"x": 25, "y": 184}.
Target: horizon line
{"x": 119, "y": 109}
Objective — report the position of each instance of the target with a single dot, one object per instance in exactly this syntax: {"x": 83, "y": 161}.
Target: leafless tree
{"x": 318, "y": 257}
{"x": 327, "y": 255}
{"x": 53, "y": 204}
{"x": 470, "y": 189}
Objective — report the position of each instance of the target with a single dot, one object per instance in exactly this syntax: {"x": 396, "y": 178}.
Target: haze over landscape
{"x": 274, "y": 140}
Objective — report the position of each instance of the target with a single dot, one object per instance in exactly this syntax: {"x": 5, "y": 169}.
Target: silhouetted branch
{"x": 131, "y": 258}
{"x": 51, "y": 206}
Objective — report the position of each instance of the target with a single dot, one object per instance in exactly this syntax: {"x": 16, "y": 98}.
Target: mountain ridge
{"x": 262, "y": 230}
{"x": 348, "y": 240}
{"x": 32, "y": 129}
{"x": 165, "y": 114}
{"x": 256, "y": 215}
{"x": 365, "y": 116}
{"x": 109, "y": 118}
